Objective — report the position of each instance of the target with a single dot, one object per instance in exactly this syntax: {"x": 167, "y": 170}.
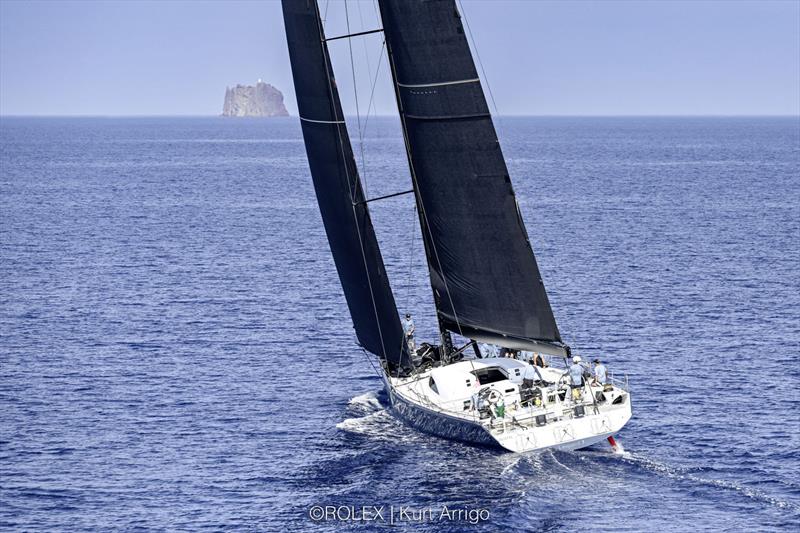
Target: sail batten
{"x": 484, "y": 275}
{"x": 322, "y": 121}
{"x": 340, "y": 196}
{"x": 437, "y": 84}
{"x": 447, "y": 117}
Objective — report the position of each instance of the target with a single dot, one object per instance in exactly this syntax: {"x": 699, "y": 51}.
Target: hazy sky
{"x": 540, "y": 57}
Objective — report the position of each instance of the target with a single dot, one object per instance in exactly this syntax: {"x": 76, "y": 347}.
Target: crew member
{"x": 408, "y": 329}
{"x": 477, "y": 401}
{"x": 530, "y": 375}
{"x": 576, "y": 375}
{"x": 600, "y": 374}
{"x": 538, "y": 360}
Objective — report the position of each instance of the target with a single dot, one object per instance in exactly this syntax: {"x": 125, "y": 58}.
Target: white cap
{"x": 576, "y": 359}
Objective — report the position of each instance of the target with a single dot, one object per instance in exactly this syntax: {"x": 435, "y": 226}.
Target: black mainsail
{"x": 338, "y": 188}
{"x": 486, "y": 282}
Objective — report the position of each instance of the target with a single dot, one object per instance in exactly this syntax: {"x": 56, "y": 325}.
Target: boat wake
{"x": 684, "y": 476}
{"x": 367, "y": 415}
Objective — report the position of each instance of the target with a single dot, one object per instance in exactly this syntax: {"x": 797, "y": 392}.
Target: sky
{"x": 539, "y": 57}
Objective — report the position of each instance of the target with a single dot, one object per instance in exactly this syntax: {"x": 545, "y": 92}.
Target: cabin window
{"x": 432, "y": 385}
{"x": 469, "y": 383}
{"x": 489, "y": 375}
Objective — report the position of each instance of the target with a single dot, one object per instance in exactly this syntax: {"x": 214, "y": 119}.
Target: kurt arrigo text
{"x": 393, "y": 514}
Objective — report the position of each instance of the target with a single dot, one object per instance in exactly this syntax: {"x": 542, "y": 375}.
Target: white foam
{"x": 369, "y": 417}
{"x": 361, "y": 424}
{"x": 368, "y": 399}
{"x": 511, "y": 465}
{"x": 372, "y": 418}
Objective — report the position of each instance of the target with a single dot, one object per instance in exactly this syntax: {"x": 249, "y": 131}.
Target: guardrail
{"x": 621, "y": 383}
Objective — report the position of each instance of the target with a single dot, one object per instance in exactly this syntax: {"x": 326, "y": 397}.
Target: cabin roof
{"x": 451, "y": 380}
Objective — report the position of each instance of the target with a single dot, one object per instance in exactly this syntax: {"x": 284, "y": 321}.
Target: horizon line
{"x": 502, "y": 115}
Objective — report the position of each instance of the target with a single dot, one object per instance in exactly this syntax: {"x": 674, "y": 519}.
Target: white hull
{"x": 518, "y": 430}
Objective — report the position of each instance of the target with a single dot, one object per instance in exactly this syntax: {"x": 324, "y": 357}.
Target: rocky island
{"x": 259, "y": 100}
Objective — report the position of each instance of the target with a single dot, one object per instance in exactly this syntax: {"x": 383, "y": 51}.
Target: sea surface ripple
{"x": 176, "y": 352}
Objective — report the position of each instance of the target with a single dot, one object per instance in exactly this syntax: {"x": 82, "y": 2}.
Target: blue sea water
{"x": 176, "y": 352}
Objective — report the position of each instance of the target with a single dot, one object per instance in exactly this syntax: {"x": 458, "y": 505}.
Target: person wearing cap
{"x": 600, "y": 374}
{"x": 576, "y": 374}
{"x": 408, "y": 329}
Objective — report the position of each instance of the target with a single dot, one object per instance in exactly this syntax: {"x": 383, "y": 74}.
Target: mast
{"x": 338, "y": 188}
{"x": 483, "y": 272}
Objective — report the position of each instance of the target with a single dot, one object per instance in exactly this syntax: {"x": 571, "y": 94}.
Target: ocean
{"x": 176, "y": 352}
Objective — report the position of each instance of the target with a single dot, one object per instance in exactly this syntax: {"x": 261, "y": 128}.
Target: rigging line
{"x": 366, "y": 267}
{"x": 416, "y": 185}
{"x": 385, "y": 197}
{"x": 325, "y": 16}
{"x": 478, "y": 55}
{"x": 329, "y": 75}
{"x": 369, "y": 359}
{"x": 411, "y": 258}
{"x": 369, "y": 69}
{"x": 380, "y": 55}
{"x": 358, "y": 111}
{"x": 408, "y": 280}
{"x": 374, "y": 83}
{"x": 351, "y": 35}
{"x": 363, "y": 41}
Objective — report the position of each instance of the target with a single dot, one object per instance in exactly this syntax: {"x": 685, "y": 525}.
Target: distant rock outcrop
{"x": 259, "y": 100}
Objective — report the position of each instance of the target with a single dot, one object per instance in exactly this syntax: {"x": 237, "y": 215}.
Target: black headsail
{"x": 485, "y": 278}
{"x": 339, "y": 194}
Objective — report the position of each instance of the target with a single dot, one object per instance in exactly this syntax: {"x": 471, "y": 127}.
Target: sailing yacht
{"x": 469, "y": 219}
